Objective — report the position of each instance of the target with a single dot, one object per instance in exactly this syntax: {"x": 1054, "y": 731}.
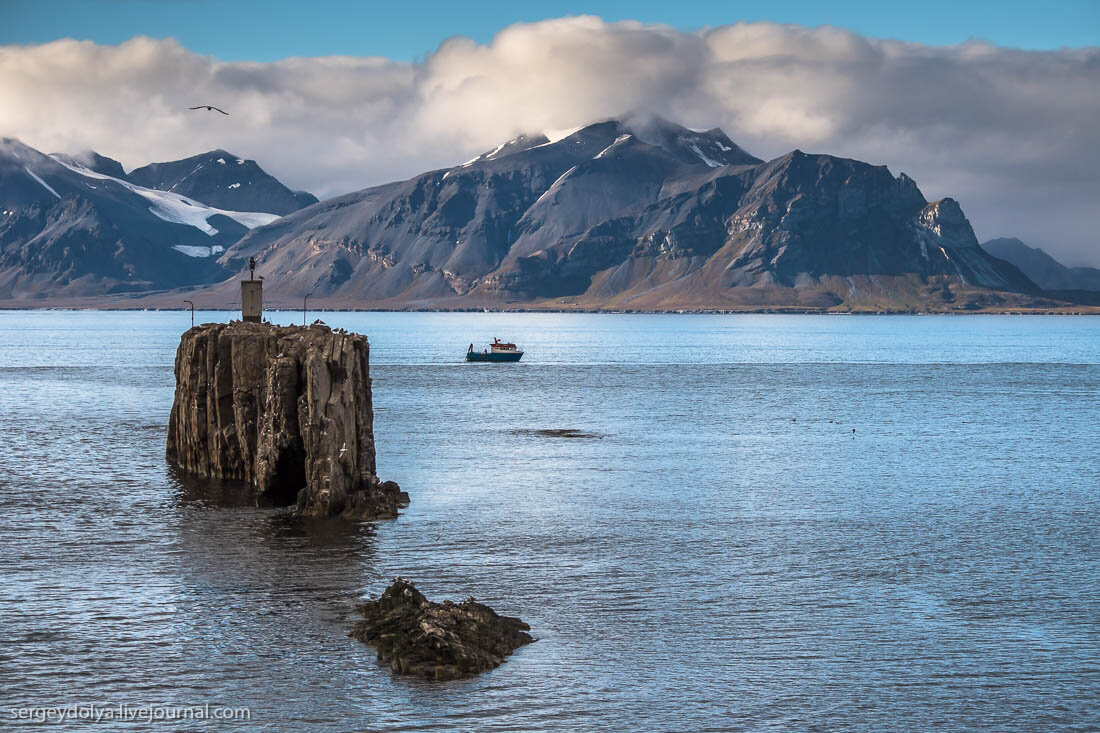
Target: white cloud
{"x": 1012, "y": 134}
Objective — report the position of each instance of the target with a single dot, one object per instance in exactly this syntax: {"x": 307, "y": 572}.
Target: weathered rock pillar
{"x": 285, "y": 408}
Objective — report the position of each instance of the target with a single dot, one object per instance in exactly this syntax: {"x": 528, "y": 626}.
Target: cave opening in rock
{"x": 289, "y": 478}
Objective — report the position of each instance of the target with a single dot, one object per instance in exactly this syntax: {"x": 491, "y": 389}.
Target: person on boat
{"x": 469, "y": 350}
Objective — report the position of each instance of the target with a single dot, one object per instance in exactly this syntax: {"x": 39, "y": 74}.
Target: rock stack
{"x": 285, "y": 408}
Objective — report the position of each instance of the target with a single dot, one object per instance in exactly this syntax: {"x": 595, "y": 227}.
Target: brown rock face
{"x": 439, "y": 641}
{"x": 285, "y": 408}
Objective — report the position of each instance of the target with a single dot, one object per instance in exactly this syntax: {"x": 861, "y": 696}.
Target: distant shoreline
{"x": 1075, "y": 311}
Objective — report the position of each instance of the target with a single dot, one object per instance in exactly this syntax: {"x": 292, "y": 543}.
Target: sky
{"x": 269, "y": 30}
{"x": 994, "y": 104}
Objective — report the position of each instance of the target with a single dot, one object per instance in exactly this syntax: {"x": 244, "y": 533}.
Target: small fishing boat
{"x": 497, "y": 351}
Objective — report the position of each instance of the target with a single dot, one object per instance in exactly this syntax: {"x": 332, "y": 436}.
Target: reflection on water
{"x": 202, "y": 491}
{"x": 726, "y": 555}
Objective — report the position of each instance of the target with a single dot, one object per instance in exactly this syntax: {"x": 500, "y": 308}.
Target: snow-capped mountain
{"x": 635, "y": 214}
{"x": 710, "y": 147}
{"x": 222, "y": 180}
{"x": 640, "y": 213}
{"x": 69, "y": 230}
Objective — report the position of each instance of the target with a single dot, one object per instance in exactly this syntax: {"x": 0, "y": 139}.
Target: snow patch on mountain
{"x": 619, "y": 140}
{"x": 198, "y": 251}
{"x": 554, "y": 185}
{"x": 555, "y": 135}
{"x": 704, "y": 158}
{"x": 176, "y": 207}
{"x": 492, "y": 153}
{"x": 44, "y": 184}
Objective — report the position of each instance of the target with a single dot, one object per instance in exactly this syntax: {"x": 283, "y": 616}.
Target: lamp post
{"x": 304, "y": 308}
{"x": 192, "y": 312}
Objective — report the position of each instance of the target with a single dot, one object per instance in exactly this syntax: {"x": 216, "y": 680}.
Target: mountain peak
{"x": 16, "y": 148}
{"x": 712, "y": 148}
{"x": 219, "y": 156}
{"x": 946, "y": 218}
{"x": 221, "y": 179}
{"x": 1014, "y": 243}
{"x": 93, "y": 161}
{"x": 515, "y": 145}
{"x": 1045, "y": 270}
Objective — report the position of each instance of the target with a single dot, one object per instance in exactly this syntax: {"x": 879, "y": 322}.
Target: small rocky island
{"x": 438, "y": 641}
{"x": 285, "y": 408}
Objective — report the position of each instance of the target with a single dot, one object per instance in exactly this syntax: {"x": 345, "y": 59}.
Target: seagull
{"x": 210, "y": 108}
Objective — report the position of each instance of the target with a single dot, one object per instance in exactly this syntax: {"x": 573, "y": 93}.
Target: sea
{"x": 779, "y": 522}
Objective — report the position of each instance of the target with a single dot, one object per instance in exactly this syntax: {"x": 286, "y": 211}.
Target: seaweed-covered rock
{"x": 439, "y": 641}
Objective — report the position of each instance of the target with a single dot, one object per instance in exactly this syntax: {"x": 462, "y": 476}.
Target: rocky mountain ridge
{"x": 636, "y": 216}
{"x": 1047, "y": 272}
{"x": 78, "y": 226}
{"x": 222, "y": 180}
{"x": 638, "y": 213}
{"x": 93, "y": 161}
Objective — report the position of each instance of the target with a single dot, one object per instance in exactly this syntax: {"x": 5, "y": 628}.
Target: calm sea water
{"x": 730, "y": 555}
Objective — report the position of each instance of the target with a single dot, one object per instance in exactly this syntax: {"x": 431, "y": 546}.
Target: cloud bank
{"x": 1012, "y": 134}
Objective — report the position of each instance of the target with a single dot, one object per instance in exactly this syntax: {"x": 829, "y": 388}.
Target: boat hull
{"x": 494, "y": 357}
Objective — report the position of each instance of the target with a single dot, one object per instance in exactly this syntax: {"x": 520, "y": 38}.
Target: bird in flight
{"x": 209, "y": 108}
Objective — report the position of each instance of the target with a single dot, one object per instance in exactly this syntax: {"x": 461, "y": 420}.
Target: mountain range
{"x": 73, "y": 226}
{"x": 621, "y": 214}
{"x": 1047, "y": 272}
{"x": 626, "y": 215}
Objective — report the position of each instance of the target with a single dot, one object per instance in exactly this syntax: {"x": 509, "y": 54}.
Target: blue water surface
{"x": 786, "y": 523}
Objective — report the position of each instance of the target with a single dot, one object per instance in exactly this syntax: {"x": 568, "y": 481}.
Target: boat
{"x": 497, "y": 351}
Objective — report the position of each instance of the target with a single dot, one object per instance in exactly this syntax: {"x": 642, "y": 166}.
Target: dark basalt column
{"x": 285, "y": 408}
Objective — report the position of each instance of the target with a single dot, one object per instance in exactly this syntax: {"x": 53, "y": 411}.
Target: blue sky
{"x": 266, "y": 30}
